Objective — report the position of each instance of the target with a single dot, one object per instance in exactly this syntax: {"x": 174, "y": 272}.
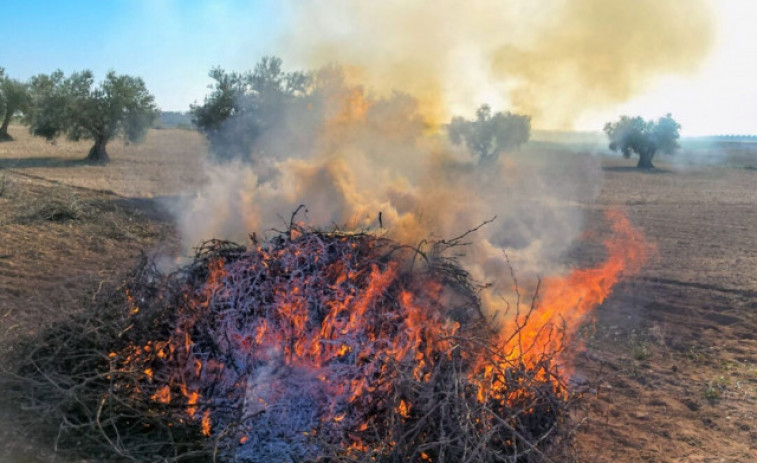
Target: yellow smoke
{"x": 370, "y": 152}
{"x": 551, "y": 59}
{"x": 601, "y": 52}
{"x": 370, "y": 157}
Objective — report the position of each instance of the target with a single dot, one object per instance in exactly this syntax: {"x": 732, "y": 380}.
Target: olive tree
{"x": 488, "y": 135}
{"x": 266, "y": 114}
{"x": 631, "y": 135}
{"x": 14, "y": 100}
{"x": 243, "y": 106}
{"x": 76, "y": 107}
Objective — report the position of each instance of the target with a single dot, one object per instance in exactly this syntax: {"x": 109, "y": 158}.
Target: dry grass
{"x": 63, "y": 234}
{"x": 165, "y": 164}
{"x": 58, "y": 245}
{"x": 58, "y": 242}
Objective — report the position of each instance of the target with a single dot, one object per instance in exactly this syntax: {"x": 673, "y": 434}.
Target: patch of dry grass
{"x": 58, "y": 245}
{"x": 167, "y": 163}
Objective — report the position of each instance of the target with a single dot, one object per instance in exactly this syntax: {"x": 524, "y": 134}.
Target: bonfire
{"x": 311, "y": 346}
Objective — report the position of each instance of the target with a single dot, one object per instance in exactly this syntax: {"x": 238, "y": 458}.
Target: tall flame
{"x": 564, "y": 301}
{"x": 562, "y": 305}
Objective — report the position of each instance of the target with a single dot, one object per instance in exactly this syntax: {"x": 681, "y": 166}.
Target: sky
{"x": 721, "y": 96}
{"x": 172, "y": 44}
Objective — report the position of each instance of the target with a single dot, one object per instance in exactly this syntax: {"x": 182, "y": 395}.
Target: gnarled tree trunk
{"x": 98, "y": 155}
{"x": 4, "y": 136}
{"x": 645, "y": 160}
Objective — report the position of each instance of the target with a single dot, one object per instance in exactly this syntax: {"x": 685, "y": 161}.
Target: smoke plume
{"x": 362, "y": 150}
{"x": 368, "y": 155}
{"x": 600, "y": 53}
{"x": 552, "y": 59}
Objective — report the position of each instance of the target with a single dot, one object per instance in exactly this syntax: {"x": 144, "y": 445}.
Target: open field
{"x": 678, "y": 346}
{"x": 674, "y": 352}
{"x": 165, "y": 164}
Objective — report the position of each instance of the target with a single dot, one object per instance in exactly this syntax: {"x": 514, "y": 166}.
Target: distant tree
{"x": 14, "y": 99}
{"x": 645, "y": 138}
{"x": 243, "y": 106}
{"x": 488, "y": 135}
{"x": 74, "y": 106}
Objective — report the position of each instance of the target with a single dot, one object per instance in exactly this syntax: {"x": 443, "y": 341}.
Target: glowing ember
{"x": 315, "y": 341}
{"x": 349, "y": 347}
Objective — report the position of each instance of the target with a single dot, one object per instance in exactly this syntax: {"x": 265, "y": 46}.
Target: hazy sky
{"x": 173, "y": 43}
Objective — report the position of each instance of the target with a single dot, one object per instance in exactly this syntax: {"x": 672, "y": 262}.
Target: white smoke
{"x": 424, "y": 188}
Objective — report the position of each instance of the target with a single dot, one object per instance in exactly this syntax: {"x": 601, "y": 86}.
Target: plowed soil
{"x": 677, "y": 348}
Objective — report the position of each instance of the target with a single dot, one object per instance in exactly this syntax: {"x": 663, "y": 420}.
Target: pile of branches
{"x": 312, "y": 346}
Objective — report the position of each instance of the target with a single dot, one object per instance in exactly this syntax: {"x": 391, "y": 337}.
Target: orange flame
{"x": 566, "y": 300}
{"x": 206, "y": 423}
{"x": 350, "y": 331}
{"x": 163, "y": 395}
{"x": 564, "y": 303}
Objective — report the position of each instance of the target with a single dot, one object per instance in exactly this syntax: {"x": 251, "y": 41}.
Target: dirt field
{"x": 164, "y": 165}
{"x": 673, "y": 352}
{"x": 678, "y": 346}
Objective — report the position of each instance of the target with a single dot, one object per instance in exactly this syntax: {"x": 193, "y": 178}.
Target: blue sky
{"x": 171, "y": 44}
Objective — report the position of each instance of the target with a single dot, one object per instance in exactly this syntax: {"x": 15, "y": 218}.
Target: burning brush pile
{"x": 311, "y": 346}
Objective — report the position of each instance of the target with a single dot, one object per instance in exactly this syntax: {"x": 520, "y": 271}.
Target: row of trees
{"x": 242, "y": 108}
{"x": 53, "y": 105}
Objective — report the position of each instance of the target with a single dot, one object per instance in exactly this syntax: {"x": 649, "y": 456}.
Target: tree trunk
{"x": 98, "y": 155}
{"x": 645, "y": 160}
{"x": 4, "y": 129}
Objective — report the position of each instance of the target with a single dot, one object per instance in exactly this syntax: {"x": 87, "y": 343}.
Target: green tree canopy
{"x": 631, "y": 135}
{"x": 14, "y": 100}
{"x": 268, "y": 113}
{"x": 488, "y": 135}
{"x": 74, "y": 106}
{"x": 244, "y": 106}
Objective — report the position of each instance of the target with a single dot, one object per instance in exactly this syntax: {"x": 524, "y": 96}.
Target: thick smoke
{"x": 368, "y": 155}
{"x": 362, "y": 150}
{"x": 552, "y": 59}
{"x": 599, "y": 53}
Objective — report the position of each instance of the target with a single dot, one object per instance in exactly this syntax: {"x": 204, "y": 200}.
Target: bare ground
{"x": 677, "y": 347}
{"x": 671, "y": 355}
{"x": 67, "y": 227}
{"x": 166, "y": 163}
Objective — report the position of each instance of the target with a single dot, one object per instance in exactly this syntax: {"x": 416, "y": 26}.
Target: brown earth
{"x": 677, "y": 347}
{"x": 66, "y": 228}
{"x": 670, "y": 360}
{"x": 168, "y": 162}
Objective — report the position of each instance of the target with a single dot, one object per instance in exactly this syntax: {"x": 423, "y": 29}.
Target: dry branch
{"x": 314, "y": 346}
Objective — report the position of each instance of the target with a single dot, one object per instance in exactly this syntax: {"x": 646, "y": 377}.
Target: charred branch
{"x": 311, "y": 347}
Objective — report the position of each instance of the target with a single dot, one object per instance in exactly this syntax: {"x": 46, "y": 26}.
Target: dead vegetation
{"x": 58, "y": 244}
{"x": 315, "y": 346}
